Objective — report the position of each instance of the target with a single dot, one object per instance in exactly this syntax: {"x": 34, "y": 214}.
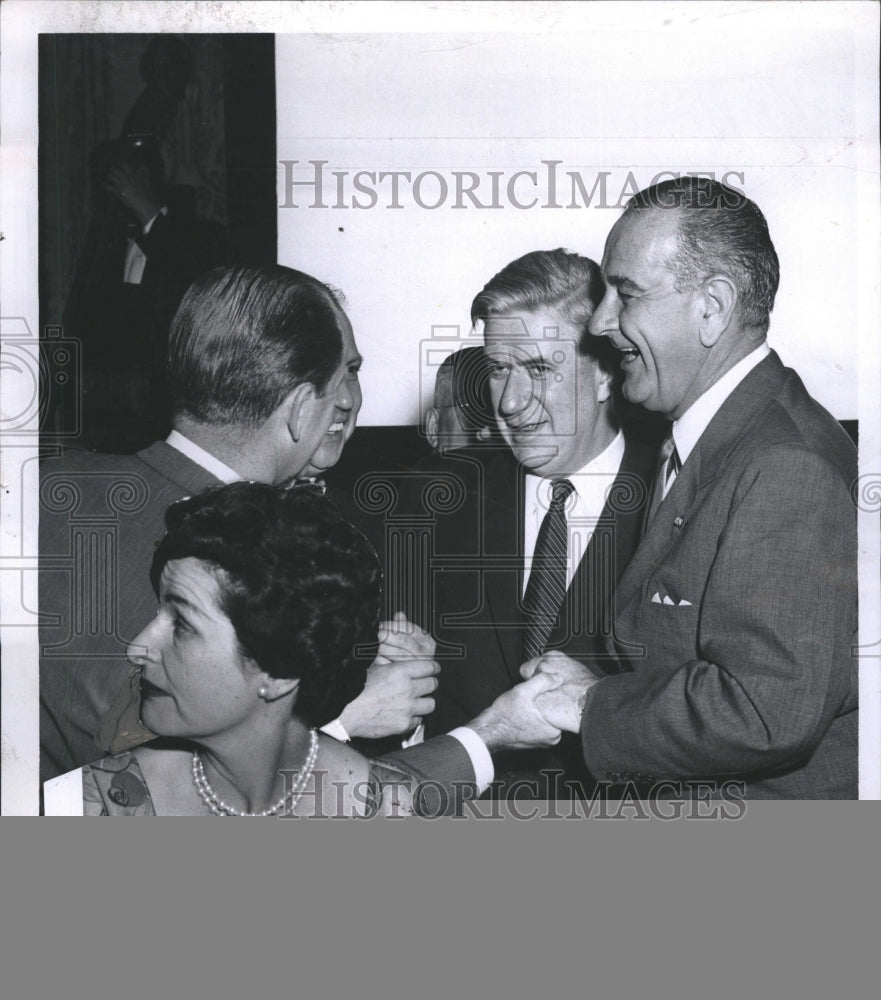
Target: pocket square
{"x": 666, "y": 599}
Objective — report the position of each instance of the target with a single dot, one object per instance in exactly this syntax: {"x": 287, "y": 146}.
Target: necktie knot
{"x": 561, "y": 490}
{"x": 668, "y": 459}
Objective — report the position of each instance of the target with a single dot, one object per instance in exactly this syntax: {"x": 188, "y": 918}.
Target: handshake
{"x": 400, "y": 683}
{"x": 536, "y": 713}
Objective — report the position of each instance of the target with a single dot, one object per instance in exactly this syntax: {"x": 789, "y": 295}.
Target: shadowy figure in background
{"x": 462, "y": 414}
{"x": 144, "y": 247}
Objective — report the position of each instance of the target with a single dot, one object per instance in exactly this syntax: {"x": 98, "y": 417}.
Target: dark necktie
{"x": 547, "y": 579}
{"x": 668, "y": 466}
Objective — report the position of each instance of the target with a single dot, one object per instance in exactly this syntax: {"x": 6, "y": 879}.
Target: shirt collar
{"x": 607, "y": 463}
{"x": 689, "y": 427}
{"x": 203, "y": 458}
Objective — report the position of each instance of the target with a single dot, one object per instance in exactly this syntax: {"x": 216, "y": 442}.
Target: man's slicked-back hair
{"x": 721, "y": 231}
{"x": 555, "y": 279}
{"x": 244, "y": 337}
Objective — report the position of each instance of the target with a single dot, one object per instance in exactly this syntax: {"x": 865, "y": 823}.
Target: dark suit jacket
{"x": 477, "y": 572}
{"x": 100, "y": 519}
{"x": 753, "y": 678}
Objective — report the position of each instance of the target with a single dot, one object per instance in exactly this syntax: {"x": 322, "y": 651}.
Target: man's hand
{"x": 514, "y": 719}
{"x": 400, "y": 639}
{"x": 563, "y": 705}
{"x": 401, "y": 678}
{"x": 131, "y": 186}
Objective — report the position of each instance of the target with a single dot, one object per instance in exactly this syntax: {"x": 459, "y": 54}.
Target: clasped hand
{"x": 399, "y": 682}
{"x": 562, "y": 705}
{"x": 537, "y": 712}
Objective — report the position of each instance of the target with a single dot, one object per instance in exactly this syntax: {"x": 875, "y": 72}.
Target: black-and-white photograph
{"x": 441, "y": 418}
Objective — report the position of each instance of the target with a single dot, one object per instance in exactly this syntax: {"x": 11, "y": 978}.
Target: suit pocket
{"x": 657, "y": 617}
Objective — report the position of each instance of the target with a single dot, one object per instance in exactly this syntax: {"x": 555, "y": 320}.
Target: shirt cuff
{"x": 336, "y": 730}
{"x": 481, "y": 761}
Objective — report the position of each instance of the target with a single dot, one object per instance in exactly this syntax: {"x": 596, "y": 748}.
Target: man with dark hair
{"x": 461, "y": 413}
{"x": 736, "y": 617}
{"x": 529, "y": 560}
{"x": 264, "y": 376}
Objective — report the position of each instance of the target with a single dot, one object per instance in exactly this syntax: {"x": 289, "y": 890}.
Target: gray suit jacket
{"x": 101, "y": 516}
{"x": 736, "y": 617}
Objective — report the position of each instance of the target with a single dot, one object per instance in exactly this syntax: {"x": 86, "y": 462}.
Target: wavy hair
{"x": 300, "y": 585}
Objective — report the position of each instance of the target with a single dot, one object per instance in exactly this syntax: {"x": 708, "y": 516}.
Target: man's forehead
{"x": 645, "y": 236}
{"x": 532, "y": 335}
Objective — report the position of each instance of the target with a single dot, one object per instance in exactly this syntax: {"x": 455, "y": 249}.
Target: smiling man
{"x": 550, "y": 521}
{"x": 263, "y": 371}
{"x": 736, "y": 617}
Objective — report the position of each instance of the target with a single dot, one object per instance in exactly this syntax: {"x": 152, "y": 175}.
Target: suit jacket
{"x": 476, "y": 573}
{"x": 736, "y": 617}
{"x": 124, "y": 327}
{"x": 101, "y": 517}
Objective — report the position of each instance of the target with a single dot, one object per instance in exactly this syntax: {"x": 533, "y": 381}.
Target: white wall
{"x": 763, "y": 94}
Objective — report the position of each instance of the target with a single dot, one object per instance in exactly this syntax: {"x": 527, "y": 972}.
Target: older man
{"x": 529, "y": 560}
{"x": 736, "y": 617}
{"x": 264, "y": 375}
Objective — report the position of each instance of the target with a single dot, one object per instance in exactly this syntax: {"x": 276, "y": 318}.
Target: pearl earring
{"x": 263, "y": 692}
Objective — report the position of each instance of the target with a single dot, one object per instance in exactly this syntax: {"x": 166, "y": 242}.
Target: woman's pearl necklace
{"x": 218, "y": 807}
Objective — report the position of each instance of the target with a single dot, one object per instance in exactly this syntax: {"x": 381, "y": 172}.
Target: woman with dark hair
{"x": 268, "y": 613}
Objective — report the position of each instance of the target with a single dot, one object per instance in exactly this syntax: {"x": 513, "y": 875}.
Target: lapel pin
{"x": 678, "y": 521}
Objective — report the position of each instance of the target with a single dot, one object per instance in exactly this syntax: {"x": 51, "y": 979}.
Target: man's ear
{"x": 717, "y": 301}
{"x": 294, "y": 409}
{"x": 431, "y": 427}
{"x": 605, "y": 384}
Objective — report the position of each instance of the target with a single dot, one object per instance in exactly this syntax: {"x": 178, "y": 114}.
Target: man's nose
{"x": 517, "y": 393}
{"x": 345, "y": 398}
{"x": 605, "y": 318}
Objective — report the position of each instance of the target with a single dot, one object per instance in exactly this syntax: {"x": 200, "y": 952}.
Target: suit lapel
{"x": 704, "y": 464}
{"x": 610, "y": 549}
{"x": 503, "y": 534}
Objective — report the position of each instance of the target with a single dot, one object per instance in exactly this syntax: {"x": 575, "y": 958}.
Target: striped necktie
{"x": 547, "y": 578}
{"x": 668, "y": 469}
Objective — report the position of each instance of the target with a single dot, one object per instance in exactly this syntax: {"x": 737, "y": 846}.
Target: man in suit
{"x": 264, "y": 375}
{"x": 144, "y": 247}
{"x": 736, "y": 617}
{"x": 500, "y": 595}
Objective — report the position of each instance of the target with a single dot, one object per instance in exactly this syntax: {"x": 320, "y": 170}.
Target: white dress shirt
{"x": 135, "y": 258}
{"x": 583, "y": 508}
{"x": 691, "y": 425}
{"x": 481, "y": 761}
{"x": 202, "y": 458}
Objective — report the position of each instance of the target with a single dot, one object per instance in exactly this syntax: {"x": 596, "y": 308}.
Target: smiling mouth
{"x": 628, "y": 355}
{"x": 336, "y": 428}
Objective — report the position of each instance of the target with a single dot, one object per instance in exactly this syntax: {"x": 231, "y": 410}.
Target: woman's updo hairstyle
{"x": 300, "y": 585}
